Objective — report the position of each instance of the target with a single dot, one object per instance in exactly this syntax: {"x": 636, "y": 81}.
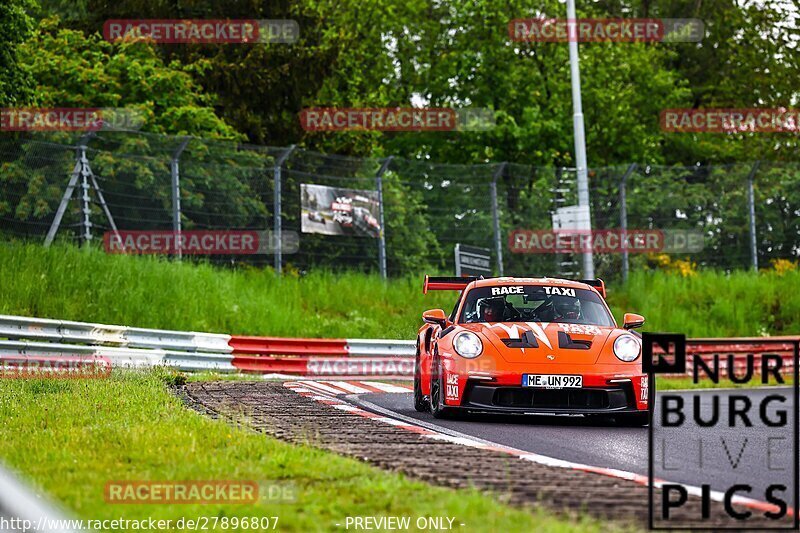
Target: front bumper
{"x": 617, "y": 398}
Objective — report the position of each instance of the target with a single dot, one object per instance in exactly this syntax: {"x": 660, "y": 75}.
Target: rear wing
{"x": 598, "y": 284}
{"x": 446, "y": 283}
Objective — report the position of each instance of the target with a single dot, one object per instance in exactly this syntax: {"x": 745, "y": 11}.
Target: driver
{"x": 567, "y": 307}
{"x": 492, "y": 309}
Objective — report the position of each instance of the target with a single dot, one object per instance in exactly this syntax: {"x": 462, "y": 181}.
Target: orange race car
{"x": 529, "y": 345}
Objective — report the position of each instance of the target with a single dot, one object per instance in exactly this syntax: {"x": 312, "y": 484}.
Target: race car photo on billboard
{"x": 529, "y": 345}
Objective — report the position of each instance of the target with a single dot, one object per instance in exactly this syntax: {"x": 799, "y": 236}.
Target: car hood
{"x": 533, "y": 342}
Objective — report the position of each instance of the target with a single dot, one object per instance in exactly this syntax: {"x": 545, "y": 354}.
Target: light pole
{"x": 577, "y": 125}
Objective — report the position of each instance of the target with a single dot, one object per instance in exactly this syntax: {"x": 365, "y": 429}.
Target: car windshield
{"x": 535, "y": 303}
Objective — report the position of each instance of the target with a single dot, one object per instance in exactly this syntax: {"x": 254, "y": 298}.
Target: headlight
{"x": 626, "y": 348}
{"x": 468, "y": 345}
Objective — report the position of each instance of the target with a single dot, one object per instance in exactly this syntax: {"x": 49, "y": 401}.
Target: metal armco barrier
{"x": 17, "y": 327}
{"x": 327, "y": 366}
{"x": 36, "y": 339}
{"x": 18, "y": 501}
{"x": 287, "y": 346}
{"x": 322, "y": 347}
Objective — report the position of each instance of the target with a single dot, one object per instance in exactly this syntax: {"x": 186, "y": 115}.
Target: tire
{"x": 636, "y": 420}
{"x": 437, "y": 407}
{"x": 421, "y": 403}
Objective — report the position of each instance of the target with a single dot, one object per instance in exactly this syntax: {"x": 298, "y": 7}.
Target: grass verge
{"x": 69, "y": 438}
{"x": 86, "y": 284}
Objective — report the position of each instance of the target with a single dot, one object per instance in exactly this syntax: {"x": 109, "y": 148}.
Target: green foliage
{"x": 411, "y": 244}
{"x": 460, "y": 54}
{"x": 73, "y": 69}
{"x": 84, "y": 284}
{"x": 712, "y": 303}
{"x": 16, "y": 82}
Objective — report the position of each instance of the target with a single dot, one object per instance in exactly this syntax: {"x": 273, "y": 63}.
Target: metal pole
{"x": 382, "y": 234}
{"x": 752, "y": 212}
{"x": 86, "y": 208}
{"x": 176, "y": 194}
{"x": 498, "y": 245}
{"x": 62, "y": 207}
{"x": 77, "y": 171}
{"x": 104, "y": 205}
{"x": 577, "y": 124}
{"x": 276, "y": 215}
{"x": 623, "y": 216}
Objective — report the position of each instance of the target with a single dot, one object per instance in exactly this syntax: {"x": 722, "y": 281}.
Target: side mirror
{"x": 632, "y": 321}
{"x": 435, "y": 316}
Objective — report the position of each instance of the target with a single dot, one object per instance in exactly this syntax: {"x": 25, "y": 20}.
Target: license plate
{"x": 552, "y": 381}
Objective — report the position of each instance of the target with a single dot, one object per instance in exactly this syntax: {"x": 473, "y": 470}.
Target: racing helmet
{"x": 567, "y": 307}
{"x": 492, "y": 309}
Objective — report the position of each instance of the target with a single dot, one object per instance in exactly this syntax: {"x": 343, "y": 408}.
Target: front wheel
{"x": 421, "y": 403}
{"x": 438, "y": 408}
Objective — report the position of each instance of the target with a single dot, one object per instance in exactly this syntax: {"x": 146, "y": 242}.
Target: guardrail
{"x": 64, "y": 331}
{"x": 21, "y": 504}
{"x": 37, "y": 340}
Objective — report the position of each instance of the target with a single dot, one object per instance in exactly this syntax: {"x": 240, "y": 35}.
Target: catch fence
{"x": 391, "y": 215}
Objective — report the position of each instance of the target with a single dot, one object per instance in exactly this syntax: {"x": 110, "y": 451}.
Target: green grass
{"x": 69, "y": 438}
{"x": 713, "y": 304}
{"x": 70, "y": 283}
{"x": 87, "y": 285}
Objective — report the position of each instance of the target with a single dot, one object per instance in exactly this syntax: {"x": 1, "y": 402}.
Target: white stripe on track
{"x": 348, "y": 387}
{"x": 323, "y": 388}
{"x": 386, "y": 387}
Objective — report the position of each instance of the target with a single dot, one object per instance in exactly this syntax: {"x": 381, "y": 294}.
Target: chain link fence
{"x": 747, "y": 213}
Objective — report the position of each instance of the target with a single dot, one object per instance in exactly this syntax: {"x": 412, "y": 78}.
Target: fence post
{"x": 498, "y": 244}
{"x": 86, "y": 208}
{"x": 751, "y": 204}
{"x": 623, "y": 216}
{"x": 277, "y": 241}
{"x": 382, "y": 234}
{"x": 176, "y": 194}
{"x": 79, "y": 170}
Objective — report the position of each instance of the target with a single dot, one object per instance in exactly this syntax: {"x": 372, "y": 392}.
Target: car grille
{"x": 560, "y": 399}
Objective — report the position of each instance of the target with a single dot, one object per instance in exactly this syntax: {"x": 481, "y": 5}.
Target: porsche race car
{"x": 529, "y": 345}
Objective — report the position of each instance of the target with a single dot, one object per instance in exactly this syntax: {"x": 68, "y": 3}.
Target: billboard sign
{"x": 338, "y": 211}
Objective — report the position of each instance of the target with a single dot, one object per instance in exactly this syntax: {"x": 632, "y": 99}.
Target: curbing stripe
{"x": 466, "y": 440}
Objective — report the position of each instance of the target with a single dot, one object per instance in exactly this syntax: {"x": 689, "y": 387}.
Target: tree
{"x": 16, "y": 83}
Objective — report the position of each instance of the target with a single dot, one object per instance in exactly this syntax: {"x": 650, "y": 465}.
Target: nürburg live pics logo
{"x": 724, "y": 455}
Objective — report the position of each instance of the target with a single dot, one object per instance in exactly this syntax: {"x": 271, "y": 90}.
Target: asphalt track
{"x": 720, "y": 456}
